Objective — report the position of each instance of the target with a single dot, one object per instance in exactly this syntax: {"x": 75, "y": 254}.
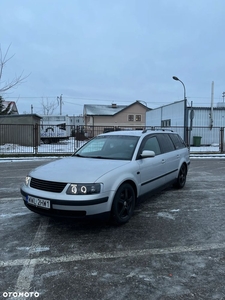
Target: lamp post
{"x": 223, "y": 95}
{"x": 177, "y": 79}
{"x": 186, "y": 139}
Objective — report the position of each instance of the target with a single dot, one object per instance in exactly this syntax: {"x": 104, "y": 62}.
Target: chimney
{"x": 114, "y": 105}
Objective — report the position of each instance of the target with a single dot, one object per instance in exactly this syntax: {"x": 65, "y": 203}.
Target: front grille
{"x": 48, "y": 186}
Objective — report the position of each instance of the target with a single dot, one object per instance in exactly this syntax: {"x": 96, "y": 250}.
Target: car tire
{"x": 181, "y": 179}
{"x": 123, "y": 204}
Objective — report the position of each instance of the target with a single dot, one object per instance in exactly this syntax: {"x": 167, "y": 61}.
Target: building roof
{"x": 107, "y": 110}
{"x": 20, "y": 116}
{"x": 11, "y": 107}
{"x": 103, "y": 110}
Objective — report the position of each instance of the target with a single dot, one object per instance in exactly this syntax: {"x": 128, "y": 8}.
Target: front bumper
{"x": 92, "y": 206}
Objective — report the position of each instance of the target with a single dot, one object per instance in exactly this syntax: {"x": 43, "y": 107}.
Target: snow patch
{"x": 165, "y": 215}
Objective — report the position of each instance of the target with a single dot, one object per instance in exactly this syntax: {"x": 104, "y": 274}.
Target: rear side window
{"x": 177, "y": 141}
{"x": 166, "y": 143}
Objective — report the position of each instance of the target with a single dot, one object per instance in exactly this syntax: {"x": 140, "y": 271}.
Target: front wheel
{"x": 123, "y": 204}
{"x": 181, "y": 179}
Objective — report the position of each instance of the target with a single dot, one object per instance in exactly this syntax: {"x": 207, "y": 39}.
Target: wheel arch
{"x": 123, "y": 204}
{"x": 182, "y": 175}
{"x": 181, "y": 164}
{"x": 132, "y": 183}
{"x": 186, "y": 165}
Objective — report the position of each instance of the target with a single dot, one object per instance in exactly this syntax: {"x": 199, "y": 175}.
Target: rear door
{"x": 171, "y": 156}
{"x": 152, "y": 170}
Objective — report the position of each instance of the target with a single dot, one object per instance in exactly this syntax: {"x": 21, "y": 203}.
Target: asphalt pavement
{"x": 172, "y": 248}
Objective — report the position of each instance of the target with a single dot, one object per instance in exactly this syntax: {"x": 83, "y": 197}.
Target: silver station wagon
{"x": 108, "y": 175}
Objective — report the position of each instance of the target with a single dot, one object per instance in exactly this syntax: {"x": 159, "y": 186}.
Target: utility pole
{"x": 223, "y": 95}
{"x": 60, "y": 104}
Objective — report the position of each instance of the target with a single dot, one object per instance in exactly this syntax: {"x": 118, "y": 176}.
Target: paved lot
{"x": 173, "y": 247}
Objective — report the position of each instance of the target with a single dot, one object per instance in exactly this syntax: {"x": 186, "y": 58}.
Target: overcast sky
{"x": 113, "y": 51}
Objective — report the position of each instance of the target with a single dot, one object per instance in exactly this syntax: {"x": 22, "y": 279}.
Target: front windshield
{"x": 109, "y": 147}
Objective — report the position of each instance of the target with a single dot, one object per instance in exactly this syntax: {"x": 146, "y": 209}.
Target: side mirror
{"x": 147, "y": 153}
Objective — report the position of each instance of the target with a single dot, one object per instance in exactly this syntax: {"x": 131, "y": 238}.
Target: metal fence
{"x": 25, "y": 140}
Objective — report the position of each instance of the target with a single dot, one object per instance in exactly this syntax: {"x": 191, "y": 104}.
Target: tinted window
{"x": 166, "y": 143}
{"x": 177, "y": 141}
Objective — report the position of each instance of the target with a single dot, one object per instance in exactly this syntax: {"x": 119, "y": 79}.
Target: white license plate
{"x": 38, "y": 202}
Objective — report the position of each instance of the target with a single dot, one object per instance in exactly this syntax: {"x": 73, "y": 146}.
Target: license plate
{"x": 38, "y": 202}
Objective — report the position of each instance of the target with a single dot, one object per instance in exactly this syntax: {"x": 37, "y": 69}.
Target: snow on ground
{"x": 209, "y": 149}
{"x": 69, "y": 146}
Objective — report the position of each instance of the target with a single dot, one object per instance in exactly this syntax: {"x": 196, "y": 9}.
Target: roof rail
{"x": 154, "y": 129}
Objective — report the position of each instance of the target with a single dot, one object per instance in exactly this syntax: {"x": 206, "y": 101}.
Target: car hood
{"x": 76, "y": 169}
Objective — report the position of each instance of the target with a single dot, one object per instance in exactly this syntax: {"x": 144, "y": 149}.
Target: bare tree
{"x": 48, "y": 106}
{"x": 8, "y": 84}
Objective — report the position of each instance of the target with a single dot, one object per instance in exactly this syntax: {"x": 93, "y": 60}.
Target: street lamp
{"x": 186, "y": 135}
{"x": 176, "y": 78}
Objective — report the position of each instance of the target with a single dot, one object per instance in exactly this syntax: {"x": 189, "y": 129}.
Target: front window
{"x": 109, "y": 147}
{"x": 151, "y": 144}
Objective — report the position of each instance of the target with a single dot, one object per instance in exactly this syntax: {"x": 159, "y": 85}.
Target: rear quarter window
{"x": 166, "y": 143}
{"x": 177, "y": 141}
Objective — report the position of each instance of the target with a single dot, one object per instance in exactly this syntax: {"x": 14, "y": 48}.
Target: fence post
{"x": 221, "y": 139}
{"x": 77, "y": 136}
{"x": 36, "y": 138}
{"x": 186, "y": 136}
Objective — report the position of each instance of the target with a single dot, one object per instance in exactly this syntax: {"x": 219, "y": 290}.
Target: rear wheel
{"x": 123, "y": 204}
{"x": 181, "y": 179}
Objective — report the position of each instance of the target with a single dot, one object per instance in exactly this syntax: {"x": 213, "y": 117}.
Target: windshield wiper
{"x": 79, "y": 155}
{"x": 100, "y": 157}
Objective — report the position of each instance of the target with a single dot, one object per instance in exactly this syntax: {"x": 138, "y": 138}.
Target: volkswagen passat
{"x": 108, "y": 175}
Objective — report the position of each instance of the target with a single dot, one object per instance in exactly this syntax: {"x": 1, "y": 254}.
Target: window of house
{"x": 138, "y": 118}
{"x": 130, "y": 118}
{"x": 166, "y": 123}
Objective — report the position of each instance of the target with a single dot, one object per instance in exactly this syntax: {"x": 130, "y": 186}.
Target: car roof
{"x": 135, "y": 132}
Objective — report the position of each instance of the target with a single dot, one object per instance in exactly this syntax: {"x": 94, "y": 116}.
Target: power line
{"x": 98, "y": 99}
{"x": 150, "y": 102}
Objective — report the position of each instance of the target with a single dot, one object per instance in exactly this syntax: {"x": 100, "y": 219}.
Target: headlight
{"x": 27, "y": 180}
{"x": 83, "y": 188}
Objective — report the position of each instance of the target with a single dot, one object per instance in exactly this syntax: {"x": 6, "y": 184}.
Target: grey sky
{"x": 104, "y": 51}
